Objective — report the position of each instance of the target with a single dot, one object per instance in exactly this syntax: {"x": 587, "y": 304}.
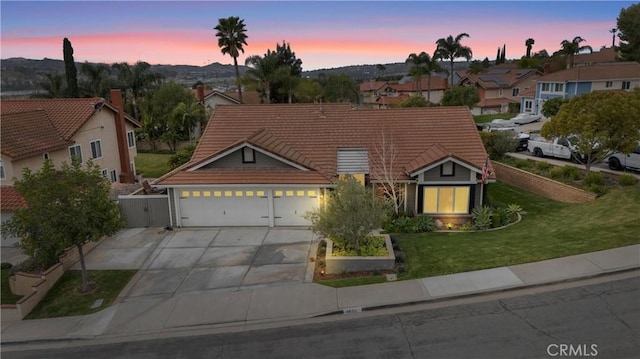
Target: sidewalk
{"x": 265, "y": 304}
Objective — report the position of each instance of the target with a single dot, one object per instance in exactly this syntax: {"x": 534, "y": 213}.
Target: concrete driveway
{"x": 203, "y": 259}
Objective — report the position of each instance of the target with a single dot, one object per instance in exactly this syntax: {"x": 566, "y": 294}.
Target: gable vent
{"x": 353, "y": 160}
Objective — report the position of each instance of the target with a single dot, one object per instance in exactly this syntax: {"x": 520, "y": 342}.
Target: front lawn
{"x": 152, "y": 165}
{"x": 65, "y": 300}
{"x": 548, "y": 230}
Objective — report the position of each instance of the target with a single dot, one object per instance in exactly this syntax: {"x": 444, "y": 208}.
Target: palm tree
{"x": 529, "y": 44}
{"x": 264, "y": 71}
{"x": 135, "y": 80}
{"x": 417, "y": 67}
{"x": 450, "y": 48}
{"x": 98, "y": 81}
{"x": 231, "y": 37}
{"x": 613, "y": 33}
{"x": 571, "y": 48}
{"x": 54, "y": 87}
{"x": 381, "y": 69}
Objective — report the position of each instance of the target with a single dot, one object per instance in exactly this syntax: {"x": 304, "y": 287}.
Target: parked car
{"x": 559, "y": 148}
{"x": 524, "y": 118}
{"x": 619, "y": 161}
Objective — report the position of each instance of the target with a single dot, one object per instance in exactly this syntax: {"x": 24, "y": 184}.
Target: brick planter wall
{"x": 340, "y": 264}
{"x": 541, "y": 185}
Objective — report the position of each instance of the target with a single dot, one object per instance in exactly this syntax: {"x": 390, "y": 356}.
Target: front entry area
{"x": 223, "y": 207}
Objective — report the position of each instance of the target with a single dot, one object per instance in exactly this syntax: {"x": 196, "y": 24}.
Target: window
{"x": 131, "y": 139}
{"x": 552, "y": 87}
{"x": 608, "y": 84}
{"x": 558, "y": 88}
{"x": 96, "y": 149}
{"x": 446, "y": 200}
{"x": 248, "y": 155}
{"x": 105, "y": 173}
{"x": 113, "y": 176}
{"x": 626, "y": 85}
{"x": 2, "y": 175}
{"x": 545, "y": 87}
{"x": 75, "y": 151}
{"x": 184, "y": 194}
{"x": 447, "y": 169}
{"x": 45, "y": 155}
{"x": 515, "y": 92}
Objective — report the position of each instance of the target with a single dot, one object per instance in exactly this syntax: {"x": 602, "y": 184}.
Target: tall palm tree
{"x": 417, "y": 67}
{"x": 450, "y": 49}
{"x": 571, "y": 48}
{"x": 231, "y": 34}
{"x": 529, "y": 44}
{"x": 135, "y": 80}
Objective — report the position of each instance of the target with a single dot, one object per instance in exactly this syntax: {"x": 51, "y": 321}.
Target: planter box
{"x": 340, "y": 264}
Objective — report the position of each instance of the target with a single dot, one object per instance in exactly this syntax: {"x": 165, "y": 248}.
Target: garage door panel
{"x": 290, "y": 205}
{"x": 226, "y": 207}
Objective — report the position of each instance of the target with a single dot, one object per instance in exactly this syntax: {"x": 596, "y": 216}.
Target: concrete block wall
{"x": 541, "y": 185}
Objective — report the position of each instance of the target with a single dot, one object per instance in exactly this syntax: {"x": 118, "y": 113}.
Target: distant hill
{"x": 21, "y": 76}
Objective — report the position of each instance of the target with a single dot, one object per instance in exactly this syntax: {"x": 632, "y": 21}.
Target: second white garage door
{"x": 246, "y": 207}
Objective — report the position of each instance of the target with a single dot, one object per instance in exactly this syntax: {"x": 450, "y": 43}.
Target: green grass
{"x": 489, "y": 118}
{"x": 350, "y": 282}
{"x": 548, "y": 230}
{"x": 6, "y": 296}
{"x": 64, "y": 299}
{"x": 152, "y": 165}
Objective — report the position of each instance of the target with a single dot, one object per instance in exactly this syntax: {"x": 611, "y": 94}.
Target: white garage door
{"x": 224, "y": 207}
{"x": 290, "y": 205}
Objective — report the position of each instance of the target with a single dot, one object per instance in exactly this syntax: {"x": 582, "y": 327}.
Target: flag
{"x": 485, "y": 171}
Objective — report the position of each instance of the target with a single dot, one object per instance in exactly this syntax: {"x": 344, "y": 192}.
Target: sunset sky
{"x": 323, "y": 34}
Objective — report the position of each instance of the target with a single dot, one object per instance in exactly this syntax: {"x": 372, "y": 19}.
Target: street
{"x": 596, "y": 320}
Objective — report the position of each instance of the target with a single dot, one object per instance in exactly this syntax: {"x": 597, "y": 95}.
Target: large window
{"x": 552, "y": 87}
{"x": 75, "y": 151}
{"x": 96, "y": 149}
{"x": 626, "y": 85}
{"x": 2, "y": 175}
{"x": 446, "y": 200}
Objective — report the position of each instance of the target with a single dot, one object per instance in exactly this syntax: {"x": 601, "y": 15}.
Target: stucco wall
{"x": 540, "y": 185}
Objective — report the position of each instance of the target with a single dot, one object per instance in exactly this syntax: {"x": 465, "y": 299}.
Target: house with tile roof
{"x": 377, "y": 94}
{"x": 211, "y": 98}
{"x": 611, "y": 76}
{"x": 10, "y": 201}
{"x": 499, "y": 87}
{"x": 267, "y": 165}
{"x": 58, "y": 129}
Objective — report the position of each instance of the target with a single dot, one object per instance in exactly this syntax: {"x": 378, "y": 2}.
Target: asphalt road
{"x": 597, "y": 320}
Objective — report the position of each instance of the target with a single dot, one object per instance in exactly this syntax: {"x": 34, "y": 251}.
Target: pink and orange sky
{"x": 323, "y": 34}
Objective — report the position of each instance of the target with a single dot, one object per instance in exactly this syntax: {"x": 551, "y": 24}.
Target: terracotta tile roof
{"x": 248, "y": 97}
{"x": 596, "y": 72}
{"x": 28, "y": 133}
{"x": 10, "y": 199}
{"x": 391, "y": 100}
{"x": 437, "y": 83}
{"x": 500, "y": 77}
{"x": 430, "y": 155}
{"x": 530, "y": 92}
{"x": 67, "y": 115}
{"x": 317, "y": 131}
{"x": 371, "y": 85}
{"x": 607, "y": 54}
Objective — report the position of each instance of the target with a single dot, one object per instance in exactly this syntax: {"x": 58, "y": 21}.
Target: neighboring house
{"x": 213, "y": 98}
{"x": 376, "y": 94}
{"x": 58, "y": 129}
{"x": 606, "y": 54}
{"x": 500, "y": 87}
{"x": 10, "y": 201}
{"x": 583, "y": 79}
{"x": 267, "y": 165}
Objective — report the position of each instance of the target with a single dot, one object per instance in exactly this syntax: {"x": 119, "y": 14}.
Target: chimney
{"x": 200, "y": 90}
{"x": 121, "y": 133}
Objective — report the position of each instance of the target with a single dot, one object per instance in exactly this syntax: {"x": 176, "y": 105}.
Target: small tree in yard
{"x": 599, "y": 123}
{"x": 349, "y": 215}
{"x": 64, "y": 208}
{"x": 498, "y": 143}
{"x": 384, "y": 171}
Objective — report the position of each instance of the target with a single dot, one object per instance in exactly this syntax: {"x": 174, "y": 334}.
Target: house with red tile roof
{"x": 499, "y": 87}
{"x": 10, "y": 201}
{"x": 211, "y": 98}
{"x": 609, "y": 76}
{"x": 267, "y": 165}
{"x": 377, "y": 94}
{"x": 88, "y": 128}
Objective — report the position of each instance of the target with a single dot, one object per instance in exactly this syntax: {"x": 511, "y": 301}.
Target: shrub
{"x": 482, "y": 217}
{"x": 594, "y": 178}
{"x": 627, "y": 179}
{"x": 514, "y": 209}
{"x": 521, "y": 163}
{"x": 597, "y": 189}
{"x": 571, "y": 172}
{"x": 543, "y": 165}
{"x": 556, "y": 173}
{"x": 466, "y": 227}
{"x": 400, "y": 256}
{"x": 406, "y": 224}
{"x": 503, "y": 215}
{"x": 182, "y": 156}
{"x": 498, "y": 143}
{"x": 423, "y": 224}
{"x": 5, "y": 265}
